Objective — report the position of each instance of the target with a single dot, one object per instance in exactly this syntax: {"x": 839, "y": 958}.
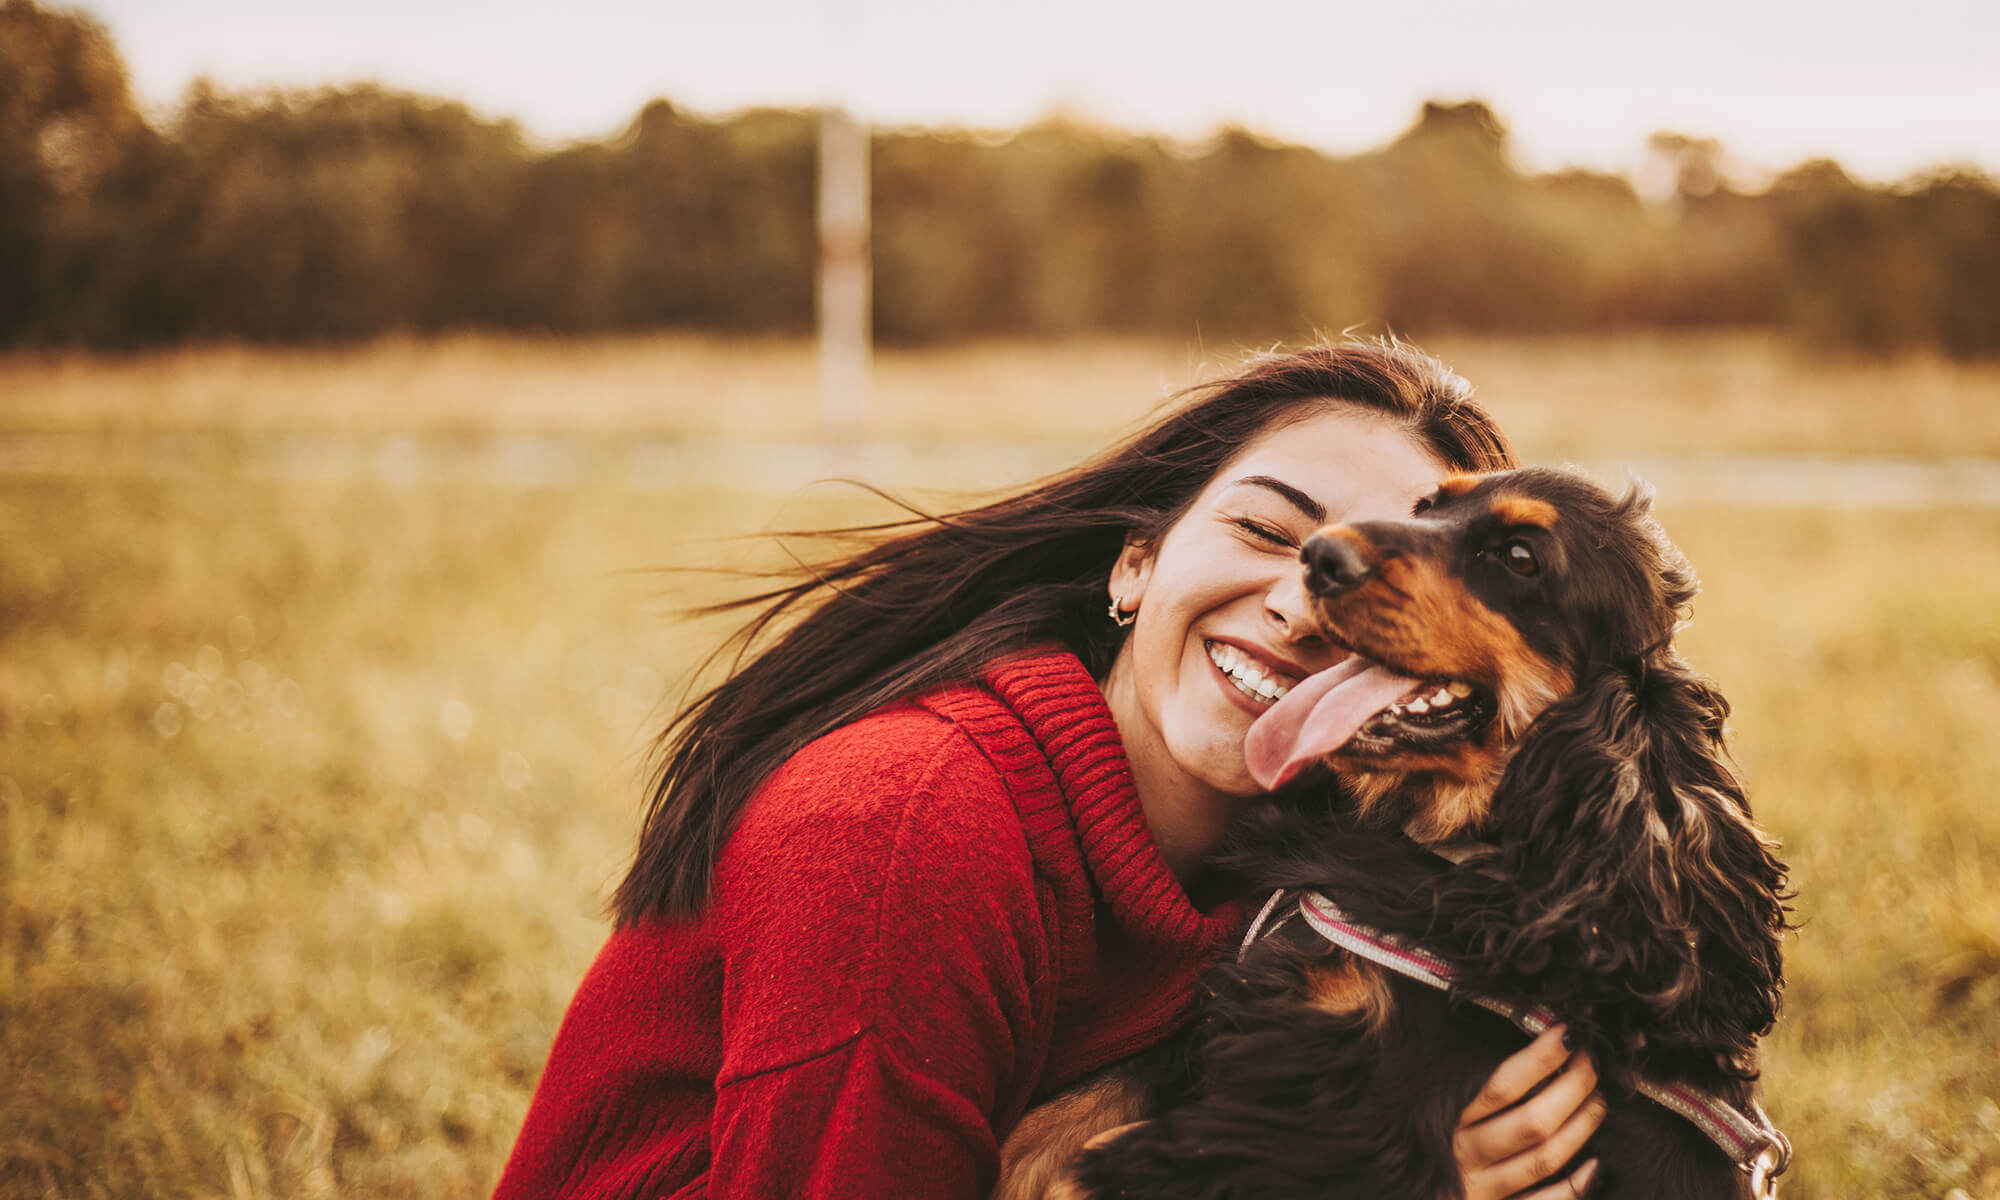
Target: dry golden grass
{"x": 668, "y": 384}
{"x": 1559, "y": 397}
{"x": 310, "y": 794}
{"x": 1863, "y": 657}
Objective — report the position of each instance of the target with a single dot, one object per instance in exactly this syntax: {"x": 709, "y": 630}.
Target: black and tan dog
{"x": 1514, "y": 702}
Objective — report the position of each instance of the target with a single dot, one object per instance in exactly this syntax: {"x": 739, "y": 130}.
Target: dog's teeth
{"x": 1459, "y": 689}
{"x": 1441, "y": 697}
{"x": 1419, "y": 705}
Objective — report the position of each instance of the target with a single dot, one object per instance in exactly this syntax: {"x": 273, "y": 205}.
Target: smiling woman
{"x": 1223, "y": 625}
{"x": 936, "y": 851}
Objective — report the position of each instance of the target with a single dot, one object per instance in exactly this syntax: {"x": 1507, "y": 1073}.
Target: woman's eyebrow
{"x": 1304, "y": 503}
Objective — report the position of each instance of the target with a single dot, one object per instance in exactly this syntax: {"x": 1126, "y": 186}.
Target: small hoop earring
{"x": 1120, "y": 617}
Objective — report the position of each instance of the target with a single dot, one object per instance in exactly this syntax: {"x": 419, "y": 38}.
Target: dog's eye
{"x": 1519, "y": 557}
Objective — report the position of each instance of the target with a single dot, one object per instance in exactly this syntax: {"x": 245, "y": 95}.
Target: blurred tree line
{"x": 343, "y": 213}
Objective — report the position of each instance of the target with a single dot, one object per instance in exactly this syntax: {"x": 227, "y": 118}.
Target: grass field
{"x": 1575, "y": 398}
{"x": 310, "y": 793}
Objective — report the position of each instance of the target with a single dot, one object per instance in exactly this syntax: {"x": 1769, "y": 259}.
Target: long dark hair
{"x": 936, "y": 598}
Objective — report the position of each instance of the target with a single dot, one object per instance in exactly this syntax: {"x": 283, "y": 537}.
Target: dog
{"x": 1530, "y": 792}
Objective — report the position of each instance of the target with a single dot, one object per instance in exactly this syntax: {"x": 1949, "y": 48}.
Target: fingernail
{"x": 1582, "y": 1179}
{"x": 1569, "y": 1040}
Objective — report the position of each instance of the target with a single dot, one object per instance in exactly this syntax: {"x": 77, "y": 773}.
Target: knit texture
{"x": 922, "y": 923}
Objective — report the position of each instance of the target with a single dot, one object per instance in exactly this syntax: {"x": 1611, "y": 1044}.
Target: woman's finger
{"x": 1531, "y": 1167}
{"x": 1578, "y": 1184}
{"x": 1520, "y": 1074}
{"x": 1533, "y": 1121}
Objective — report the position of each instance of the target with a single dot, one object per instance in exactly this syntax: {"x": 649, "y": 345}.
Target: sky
{"x": 1886, "y": 89}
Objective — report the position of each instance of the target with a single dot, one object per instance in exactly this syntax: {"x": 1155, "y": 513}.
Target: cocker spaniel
{"x": 1515, "y": 783}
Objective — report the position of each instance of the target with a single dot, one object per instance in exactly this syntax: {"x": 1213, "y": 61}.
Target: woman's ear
{"x": 1132, "y": 571}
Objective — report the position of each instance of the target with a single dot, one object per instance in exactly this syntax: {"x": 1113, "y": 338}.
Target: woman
{"x": 936, "y": 852}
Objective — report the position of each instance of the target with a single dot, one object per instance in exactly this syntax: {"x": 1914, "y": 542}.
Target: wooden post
{"x": 844, "y": 275}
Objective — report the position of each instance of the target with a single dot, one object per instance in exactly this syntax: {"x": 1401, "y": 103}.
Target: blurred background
{"x": 369, "y": 374}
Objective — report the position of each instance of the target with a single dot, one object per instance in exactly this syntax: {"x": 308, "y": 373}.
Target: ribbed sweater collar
{"x": 1095, "y": 802}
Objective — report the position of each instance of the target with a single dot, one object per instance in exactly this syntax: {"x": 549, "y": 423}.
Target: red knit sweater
{"x": 922, "y": 923}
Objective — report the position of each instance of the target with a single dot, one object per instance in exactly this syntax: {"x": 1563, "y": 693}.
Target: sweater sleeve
{"x": 856, "y": 1121}
{"x": 885, "y": 973}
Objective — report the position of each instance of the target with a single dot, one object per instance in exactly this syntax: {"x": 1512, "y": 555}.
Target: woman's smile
{"x": 1253, "y": 682}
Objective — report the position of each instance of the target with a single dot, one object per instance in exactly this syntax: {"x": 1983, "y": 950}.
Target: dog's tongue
{"x": 1317, "y": 717}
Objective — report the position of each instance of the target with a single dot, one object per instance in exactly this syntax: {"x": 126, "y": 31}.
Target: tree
{"x": 67, "y": 124}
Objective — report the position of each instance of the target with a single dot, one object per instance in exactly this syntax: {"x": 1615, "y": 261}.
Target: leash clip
{"x": 1770, "y": 1163}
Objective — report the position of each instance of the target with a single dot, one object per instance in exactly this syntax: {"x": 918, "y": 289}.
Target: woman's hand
{"x": 1507, "y": 1145}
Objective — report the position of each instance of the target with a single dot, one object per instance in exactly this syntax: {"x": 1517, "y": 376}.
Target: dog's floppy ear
{"x": 1643, "y": 894}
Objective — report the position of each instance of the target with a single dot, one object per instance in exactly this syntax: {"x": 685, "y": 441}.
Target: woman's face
{"x": 1222, "y": 624}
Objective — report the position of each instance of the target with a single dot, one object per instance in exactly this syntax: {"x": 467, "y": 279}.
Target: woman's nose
{"x": 1288, "y": 607}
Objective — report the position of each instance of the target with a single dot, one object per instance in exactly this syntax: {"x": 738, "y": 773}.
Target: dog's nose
{"x": 1333, "y": 565}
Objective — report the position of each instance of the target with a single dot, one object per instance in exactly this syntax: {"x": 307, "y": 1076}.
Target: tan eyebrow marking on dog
{"x": 1458, "y": 485}
{"x": 1525, "y": 510}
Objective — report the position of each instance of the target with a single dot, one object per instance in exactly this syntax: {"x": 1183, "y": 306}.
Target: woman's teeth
{"x": 1250, "y": 676}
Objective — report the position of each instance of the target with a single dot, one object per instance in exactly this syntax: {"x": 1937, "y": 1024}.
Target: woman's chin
{"x": 1224, "y": 773}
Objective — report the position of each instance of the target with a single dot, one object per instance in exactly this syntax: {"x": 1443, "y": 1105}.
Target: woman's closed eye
{"x": 1265, "y": 533}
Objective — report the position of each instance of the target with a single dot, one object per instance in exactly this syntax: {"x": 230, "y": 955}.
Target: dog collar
{"x": 1751, "y": 1141}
